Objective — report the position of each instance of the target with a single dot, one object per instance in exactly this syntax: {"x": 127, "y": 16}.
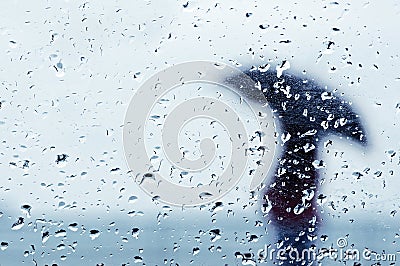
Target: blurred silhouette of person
{"x": 306, "y": 114}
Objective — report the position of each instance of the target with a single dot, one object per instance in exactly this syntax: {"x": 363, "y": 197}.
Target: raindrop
{"x": 135, "y": 232}
{"x": 132, "y": 199}
{"x": 219, "y": 206}
{"x": 45, "y": 237}
{"x": 195, "y": 251}
{"x": 94, "y": 234}
{"x": 13, "y": 44}
{"x": 18, "y": 224}
{"x": 308, "y": 194}
{"x": 138, "y": 259}
{"x": 267, "y": 206}
{"x": 3, "y": 245}
{"x": 284, "y": 66}
{"x": 319, "y": 164}
{"x": 26, "y": 209}
{"x": 299, "y": 209}
{"x": 285, "y": 137}
{"x": 325, "y": 124}
{"x": 60, "y": 233}
{"x": 215, "y": 234}
{"x": 61, "y": 159}
{"x": 148, "y": 176}
{"x": 324, "y": 238}
{"x": 308, "y": 147}
{"x": 357, "y": 175}
{"x": 321, "y": 199}
{"x": 264, "y": 68}
{"x": 326, "y": 95}
{"x": 61, "y": 205}
{"x": 205, "y": 195}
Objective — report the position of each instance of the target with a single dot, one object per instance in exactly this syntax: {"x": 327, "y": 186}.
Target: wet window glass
{"x": 199, "y": 133}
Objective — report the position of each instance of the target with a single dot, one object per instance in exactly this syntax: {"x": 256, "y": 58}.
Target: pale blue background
{"x": 107, "y": 49}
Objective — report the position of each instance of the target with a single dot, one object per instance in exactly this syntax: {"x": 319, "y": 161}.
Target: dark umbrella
{"x": 306, "y": 113}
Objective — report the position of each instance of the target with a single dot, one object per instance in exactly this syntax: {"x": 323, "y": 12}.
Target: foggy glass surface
{"x": 69, "y": 70}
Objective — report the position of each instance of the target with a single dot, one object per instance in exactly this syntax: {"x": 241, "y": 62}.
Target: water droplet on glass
{"x": 45, "y": 237}
{"x": 26, "y": 209}
{"x": 298, "y": 209}
{"x": 326, "y": 95}
{"x": 3, "y": 245}
{"x": 284, "y": 66}
{"x": 205, "y": 195}
{"x": 94, "y": 234}
{"x": 132, "y": 199}
{"x": 267, "y": 206}
{"x": 135, "y": 232}
{"x": 308, "y": 194}
{"x": 73, "y": 227}
{"x": 13, "y": 44}
{"x": 195, "y": 251}
{"x": 138, "y": 259}
{"x": 215, "y": 234}
{"x": 60, "y": 233}
{"x": 285, "y": 137}
{"x": 18, "y": 224}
